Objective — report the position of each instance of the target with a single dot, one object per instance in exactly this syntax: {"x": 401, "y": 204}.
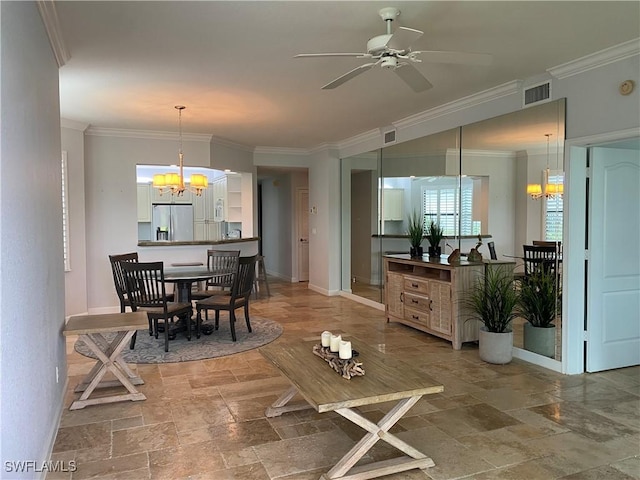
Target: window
{"x": 554, "y": 211}
{"x": 65, "y": 215}
{"x": 441, "y": 203}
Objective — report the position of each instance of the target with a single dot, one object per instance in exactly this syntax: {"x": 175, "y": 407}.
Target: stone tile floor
{"x": 205, "y": 419}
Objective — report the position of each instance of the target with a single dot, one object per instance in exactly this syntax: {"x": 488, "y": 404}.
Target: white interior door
{"x": 303, "y": 234}
{"x": 613, "y": 272}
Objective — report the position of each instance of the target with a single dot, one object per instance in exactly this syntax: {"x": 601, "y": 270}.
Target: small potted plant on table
{"x": 435, "y": 234}
{"x": 492, "y": 301}
{"x": 416, "y": 233}
{"x": 538, "y": 304}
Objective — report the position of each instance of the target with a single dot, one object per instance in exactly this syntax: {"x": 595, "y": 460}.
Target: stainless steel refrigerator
{"x": 172, "y": 222}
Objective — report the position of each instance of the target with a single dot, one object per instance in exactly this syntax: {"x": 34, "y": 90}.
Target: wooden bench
{"x": 91, "y": 329}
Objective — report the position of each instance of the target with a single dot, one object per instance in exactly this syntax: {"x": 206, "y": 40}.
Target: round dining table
{"x": 184, "y": 278}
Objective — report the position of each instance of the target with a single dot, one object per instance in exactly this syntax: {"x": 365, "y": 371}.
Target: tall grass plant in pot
{"x": 538, "y": 304}
{"x": 435, "y": 234}
{"x": 416, "y": 234}
{"x": 492, "y": 301}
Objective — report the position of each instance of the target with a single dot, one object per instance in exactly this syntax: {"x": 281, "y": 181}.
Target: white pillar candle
{"x": 345, "y": 350}
{"x": 334, "y": 345}
{"x": 326, "y": 338}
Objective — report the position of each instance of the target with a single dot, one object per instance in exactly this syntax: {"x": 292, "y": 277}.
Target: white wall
{"x": 31, "y": 258}
{"x": 277, "y": 225}
{"x": 75, "y": 281}
{"x": 111, "y": 212}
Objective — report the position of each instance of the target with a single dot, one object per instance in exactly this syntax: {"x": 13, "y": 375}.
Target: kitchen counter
{"x": 152, "y": 243}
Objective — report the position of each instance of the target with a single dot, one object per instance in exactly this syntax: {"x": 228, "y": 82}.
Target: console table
{"x": 90, "y": 329}
{"x": 425, "y": 293}
{"x": 386, "y": 379}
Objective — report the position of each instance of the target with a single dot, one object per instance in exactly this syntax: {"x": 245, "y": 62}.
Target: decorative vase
{"x": 540, "y": 340}
{"x": 416, "y": 251}
{"x": 496, "y": 348}
{"x": 435, "y": 251}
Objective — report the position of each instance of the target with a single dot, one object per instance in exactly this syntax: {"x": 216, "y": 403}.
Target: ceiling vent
{"x": 389, "y": 137}
{"x": 539, "y": 93}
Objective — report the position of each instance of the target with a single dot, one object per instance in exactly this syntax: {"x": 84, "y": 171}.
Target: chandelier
{"x": 172, "y": 182}
{"x": 551, "y": 190}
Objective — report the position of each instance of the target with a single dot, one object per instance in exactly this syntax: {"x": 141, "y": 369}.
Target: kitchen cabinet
{"x": 393, "y": 204}
{"x": 206, "y": 226}
{"x": 227, "y": 198}
{"x": 144, "y": 203}
{"x": 426, "y": 295}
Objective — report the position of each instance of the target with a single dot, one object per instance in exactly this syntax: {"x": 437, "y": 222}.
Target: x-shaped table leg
{"x": 412, "y": 459}
{"x": 109, "y": 359}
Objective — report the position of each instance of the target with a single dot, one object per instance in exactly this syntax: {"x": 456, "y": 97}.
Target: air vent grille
{"x": 389, "y": 137}
{"x": 537, "y": 93}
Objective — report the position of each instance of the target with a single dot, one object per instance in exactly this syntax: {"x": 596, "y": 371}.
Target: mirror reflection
{"x": 221, "y": 211}
{"x": 521, "y": 154}
{"x": 502, "y": 182}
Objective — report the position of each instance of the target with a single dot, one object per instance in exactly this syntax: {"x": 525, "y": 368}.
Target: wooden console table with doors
{"x": 91, "y": 329}
{"x": 386, "y": 379}
{"x": 426, "y": 294}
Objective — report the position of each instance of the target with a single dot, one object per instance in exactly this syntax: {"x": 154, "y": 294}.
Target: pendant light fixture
{"x": 172, "y": 182}
{"x": 534, "y": 190}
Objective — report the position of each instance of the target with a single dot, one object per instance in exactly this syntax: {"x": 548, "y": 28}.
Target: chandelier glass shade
{"x": 172, "y": 182}
{"x": 551, "y": 190}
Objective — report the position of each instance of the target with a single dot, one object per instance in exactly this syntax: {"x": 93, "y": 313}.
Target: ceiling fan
{"x": 393, "y": 51}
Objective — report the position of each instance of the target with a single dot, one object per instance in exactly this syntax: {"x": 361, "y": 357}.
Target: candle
{"x": 334, "y": 344}
{"x": 345, "y": 350}
{"x": 326, "y": 338}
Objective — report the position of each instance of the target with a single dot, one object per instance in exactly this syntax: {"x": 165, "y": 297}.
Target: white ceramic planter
{"x": 495, "y": 347}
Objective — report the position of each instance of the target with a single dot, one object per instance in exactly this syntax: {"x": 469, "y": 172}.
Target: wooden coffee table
{"x": 90, "y": 329}
{"x": 386, "y": 379}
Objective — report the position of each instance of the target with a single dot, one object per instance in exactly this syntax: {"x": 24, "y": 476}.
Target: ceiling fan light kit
{"x": 392, "y": 51}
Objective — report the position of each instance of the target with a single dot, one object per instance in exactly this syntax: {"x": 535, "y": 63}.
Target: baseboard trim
{"x": 364, "y": 301}
{"x": 536, "y": 359}
{"x": 323, "y": 291}
{"x": 55, "y": 427}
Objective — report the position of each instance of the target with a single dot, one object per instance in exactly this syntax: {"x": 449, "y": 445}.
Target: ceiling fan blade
{"x": 348, "y": 76}
{"x": 413, "y": 78}
{"x": 311, "y": 55}
{"x": 403, "y": 38}
{"x": 440, "y": 56}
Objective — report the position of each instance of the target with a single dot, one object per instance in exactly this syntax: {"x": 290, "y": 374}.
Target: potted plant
{"x": 492, "y": 301}
{"x": 538, "y": 305}
{"x": 435, "y": 234}
{"x": 416, "y": 233}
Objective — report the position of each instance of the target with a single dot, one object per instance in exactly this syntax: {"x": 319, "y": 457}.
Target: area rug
{"x": 148, "y": 349}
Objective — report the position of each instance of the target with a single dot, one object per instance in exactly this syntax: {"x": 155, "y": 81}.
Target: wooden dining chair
{"x": 146, "y": 292}
{"x": 538, "y": 257}
{"x": 239, "y": 296}
{"x": 226, "y": 263}
{"x": 492, "y": 250}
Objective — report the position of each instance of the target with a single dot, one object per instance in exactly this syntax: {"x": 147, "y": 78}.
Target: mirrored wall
{"x": 473, "y": 180}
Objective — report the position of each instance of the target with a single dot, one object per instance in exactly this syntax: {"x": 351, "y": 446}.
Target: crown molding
{"x": 146, "y": 134}
{"x": 72, "y": 124}
{"x": 281, "y": 151}
{"x": 228, "y": 143}
{"x": 49, "y": 16}
{"x": 504, "y": 90}
{"x": 597, "y": 59}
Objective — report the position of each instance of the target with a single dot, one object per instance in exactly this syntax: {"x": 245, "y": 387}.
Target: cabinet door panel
{"x": 394, "y": 288}
{"x": 441, "y": 309}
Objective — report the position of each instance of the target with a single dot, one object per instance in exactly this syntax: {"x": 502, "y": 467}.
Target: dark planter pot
{"x": 416, "y": 251}
{"x": 435, "y": 251}
{"x": 540, "y": 340}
